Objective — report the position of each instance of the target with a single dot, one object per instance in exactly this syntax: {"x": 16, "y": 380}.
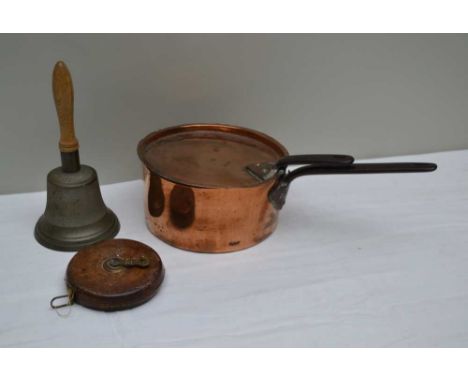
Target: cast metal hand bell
{"x": 75, "y": 214}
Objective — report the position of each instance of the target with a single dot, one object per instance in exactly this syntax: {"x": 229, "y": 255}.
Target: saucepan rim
{"x": 232, "y": 129}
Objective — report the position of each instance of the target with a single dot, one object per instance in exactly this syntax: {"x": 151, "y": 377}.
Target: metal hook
{"x": 70, "y": 296}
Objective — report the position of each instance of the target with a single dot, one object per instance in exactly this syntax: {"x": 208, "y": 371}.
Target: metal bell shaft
{"x": 75, "y": 214}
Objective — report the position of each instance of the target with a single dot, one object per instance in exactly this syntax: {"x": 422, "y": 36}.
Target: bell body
{"x": 75, "y": 214}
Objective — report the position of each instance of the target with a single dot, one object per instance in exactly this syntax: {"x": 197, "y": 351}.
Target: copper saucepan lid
{"x": 221, "y": 156}
{"x": 208, "y": 155}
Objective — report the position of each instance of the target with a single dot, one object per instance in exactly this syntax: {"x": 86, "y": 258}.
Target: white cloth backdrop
{"x": 361, "y": 260}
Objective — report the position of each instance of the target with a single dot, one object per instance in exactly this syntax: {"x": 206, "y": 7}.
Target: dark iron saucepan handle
{"x": 277, "y": 194}
{"x": 314, "y": 159}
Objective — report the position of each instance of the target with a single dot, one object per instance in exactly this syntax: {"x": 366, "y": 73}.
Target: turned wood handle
{"x": 62, "y": 87}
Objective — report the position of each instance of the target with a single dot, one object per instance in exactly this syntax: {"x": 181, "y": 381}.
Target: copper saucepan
{"x": 219, "y": 188}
